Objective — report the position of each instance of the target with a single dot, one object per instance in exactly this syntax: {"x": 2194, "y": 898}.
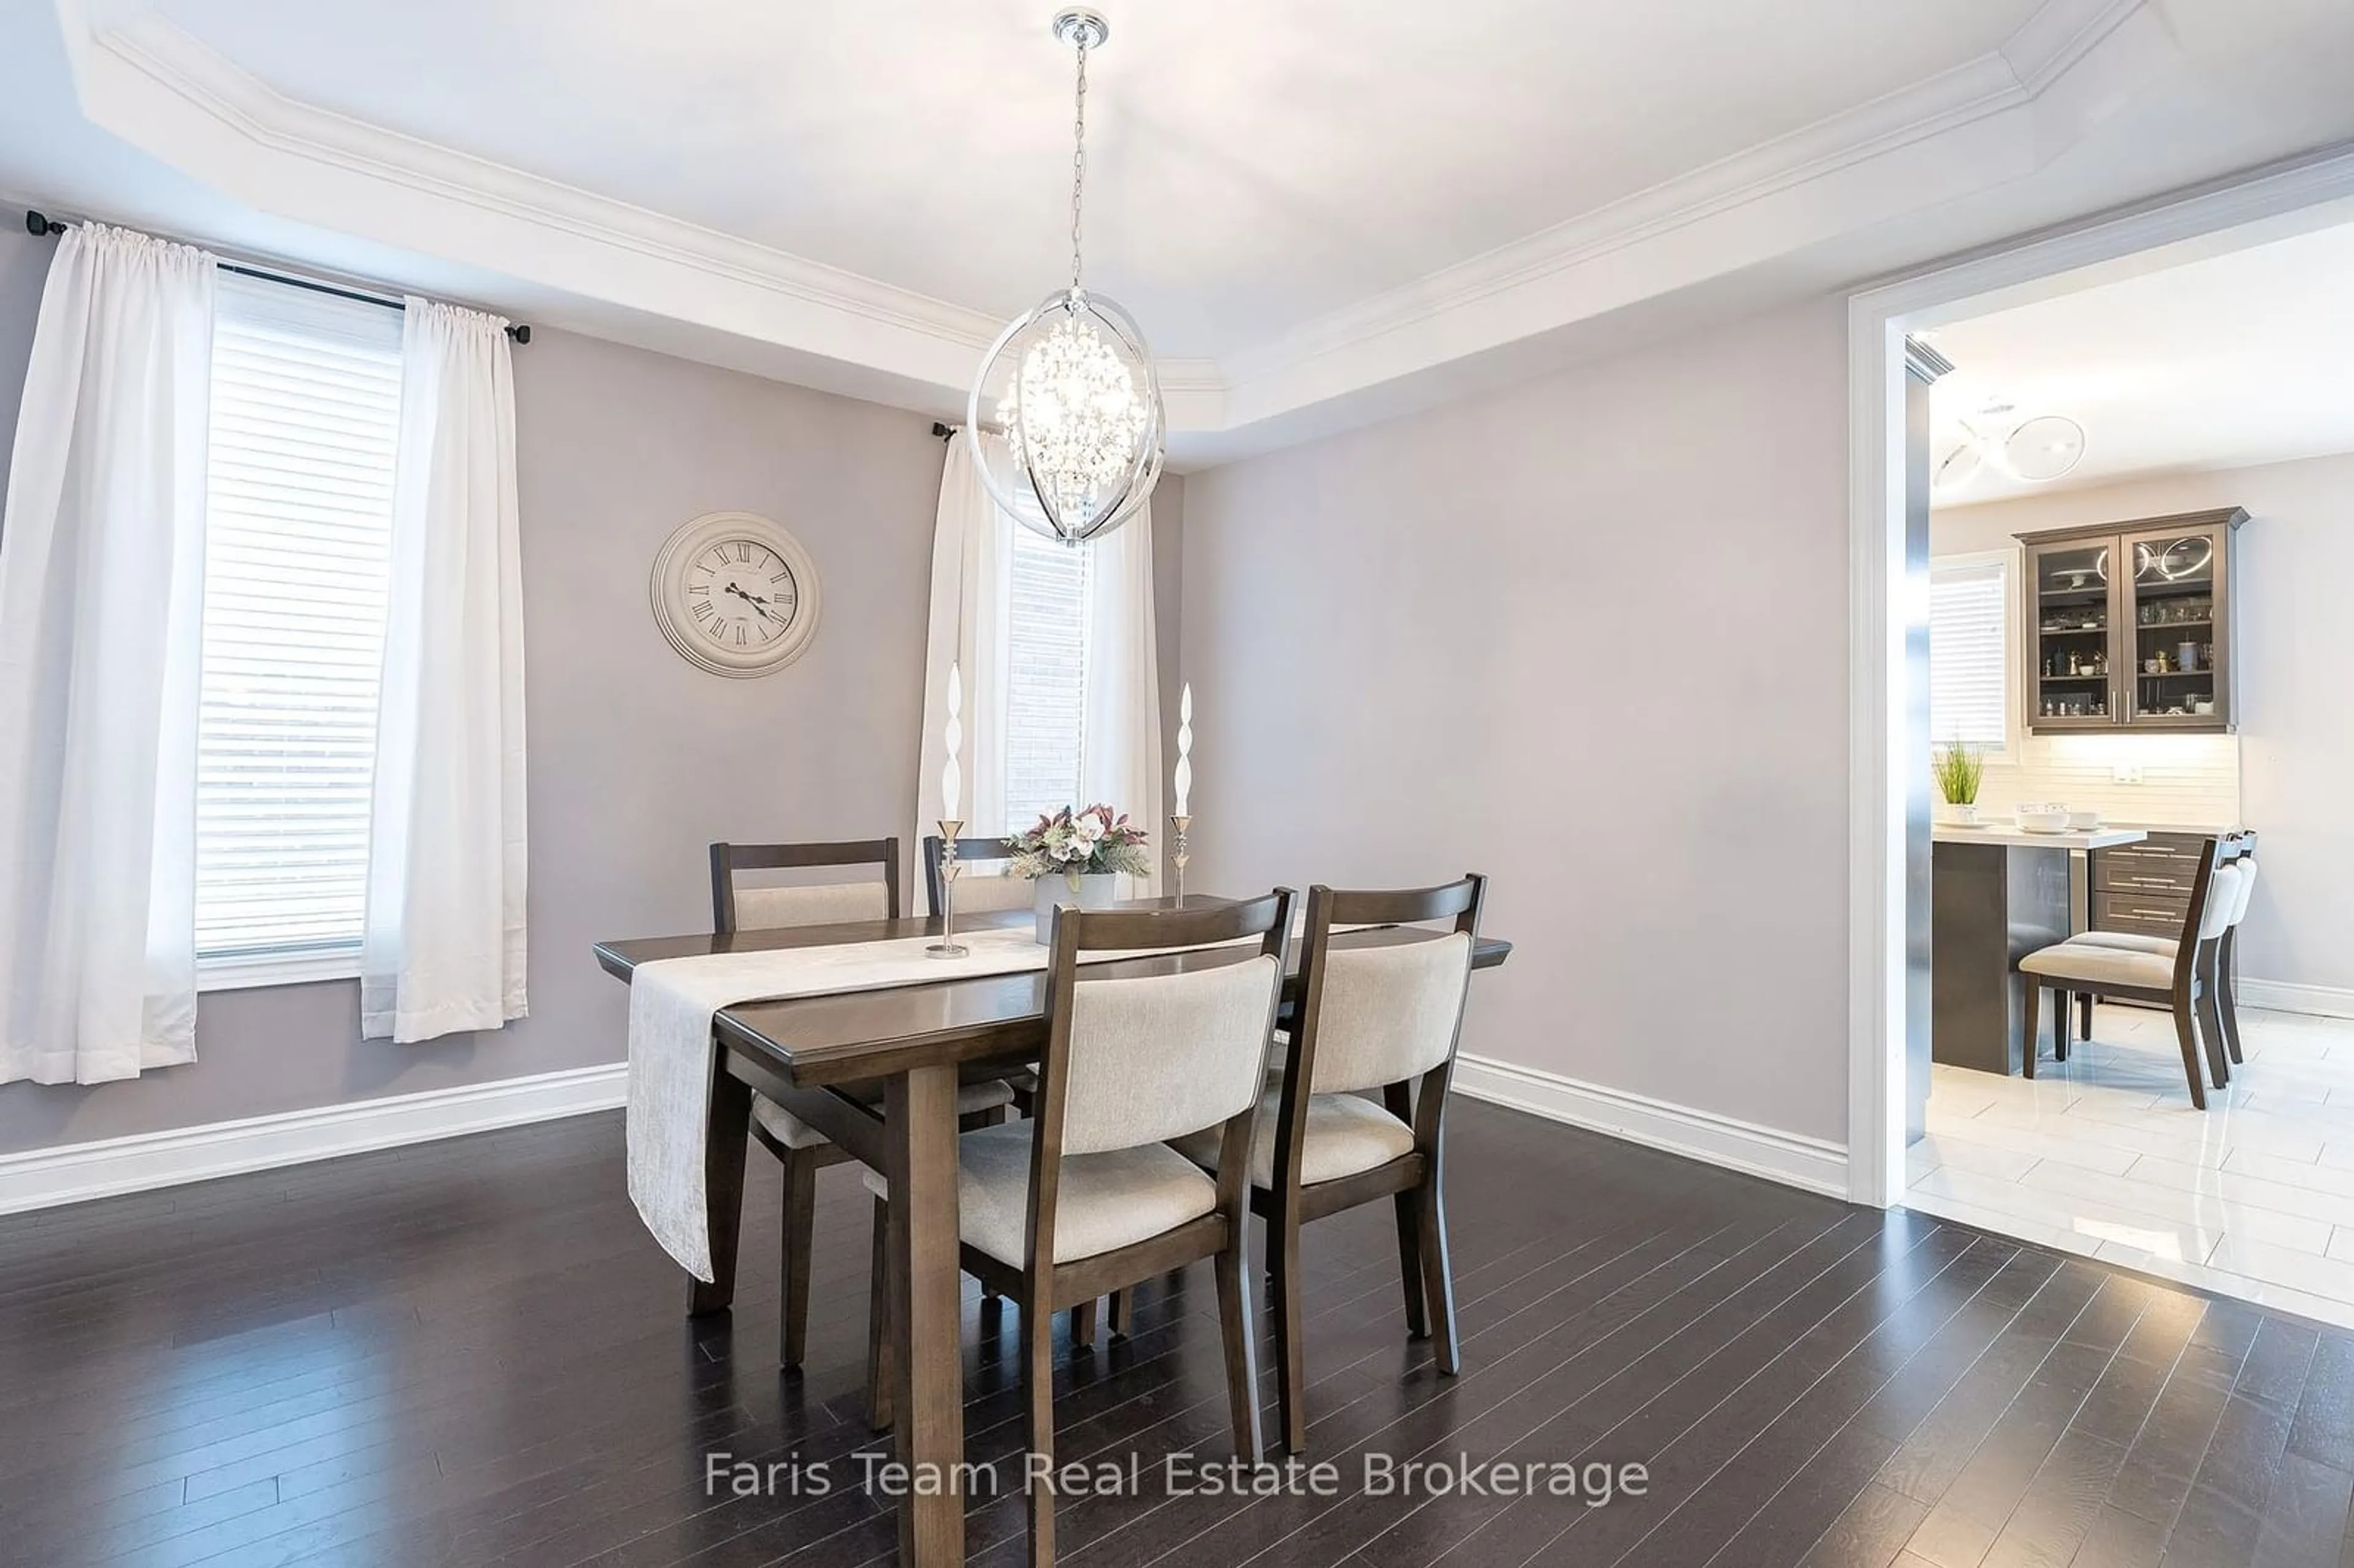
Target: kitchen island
{"x": 1996, "y": 894}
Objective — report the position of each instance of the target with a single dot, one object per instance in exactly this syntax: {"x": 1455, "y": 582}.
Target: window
{"x": 1969, "y": 650}
{"x": 305, "y": 415}
{"x": 1048, "y": 612}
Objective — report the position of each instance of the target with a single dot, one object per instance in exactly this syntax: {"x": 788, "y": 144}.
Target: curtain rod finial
{"x": 42, "y": 224}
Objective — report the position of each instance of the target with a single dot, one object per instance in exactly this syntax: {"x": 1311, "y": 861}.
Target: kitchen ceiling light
{"x": 1077, "y": 410}
{"x": 2034, "y": 451}
{"x": 2044, "y": 447}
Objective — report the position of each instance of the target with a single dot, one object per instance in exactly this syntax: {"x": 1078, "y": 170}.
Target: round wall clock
{"x": 735, "y": 594}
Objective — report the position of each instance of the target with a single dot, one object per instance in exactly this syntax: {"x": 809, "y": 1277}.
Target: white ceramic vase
{"x": 1960, "y": 816}
{"x": 1097, "y": 891}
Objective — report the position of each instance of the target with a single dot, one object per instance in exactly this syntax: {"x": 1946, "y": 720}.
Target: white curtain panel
{"x": 972, "y": 543}
{"x": 1119, "y": 755}
{"x": 101, "y": 585}
{"x": 444, "y": 947}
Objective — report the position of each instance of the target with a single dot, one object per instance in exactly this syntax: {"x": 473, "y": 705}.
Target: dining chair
{"x": 976, "y": 893}
{"x": 1382, "y": 1015}
{"x": 2177, "y": 980}
{"x": 801, "y": 1148}
{"x": 2222, "y": 957}
{"x": 1087, "y": 1196}
{"x": 988, "y": 892}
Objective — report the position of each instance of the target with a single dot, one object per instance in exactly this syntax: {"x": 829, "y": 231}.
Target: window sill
{"x": 253, "y": 971}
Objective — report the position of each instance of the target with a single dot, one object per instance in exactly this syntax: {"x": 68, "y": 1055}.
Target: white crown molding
{"x": 143, "y": 81}
{"x": 684, "y": 288}
{"x": 1391, "y": 334}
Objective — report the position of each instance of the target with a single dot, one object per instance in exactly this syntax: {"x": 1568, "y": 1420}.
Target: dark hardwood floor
{"x": 469, "y": 1353}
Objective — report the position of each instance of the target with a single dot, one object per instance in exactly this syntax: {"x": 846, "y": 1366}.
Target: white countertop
{"x": 2011, "y": 835}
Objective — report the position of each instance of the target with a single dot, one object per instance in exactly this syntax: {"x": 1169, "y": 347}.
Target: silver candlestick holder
{"x": 1178, "y": 828}
{"x": 947, "y": 946}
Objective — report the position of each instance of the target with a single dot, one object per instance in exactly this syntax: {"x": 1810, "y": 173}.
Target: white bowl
{"x": 2046, "y": 821}
{"x": 2083, "y": 822}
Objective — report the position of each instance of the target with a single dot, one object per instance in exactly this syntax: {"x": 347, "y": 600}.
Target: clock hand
{"x": 755, "y": 601}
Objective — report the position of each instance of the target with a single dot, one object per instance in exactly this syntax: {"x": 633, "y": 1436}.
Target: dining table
{"x": 820, "y": 1056}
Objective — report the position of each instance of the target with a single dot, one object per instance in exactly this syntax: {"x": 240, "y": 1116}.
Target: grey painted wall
{"x": 637, "y": 760}
{"x": 2296, "y": 743}
{"x": 1590, "y": 637}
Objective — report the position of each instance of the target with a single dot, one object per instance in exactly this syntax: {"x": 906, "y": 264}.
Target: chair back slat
{"x": 735, "y": 908}
{"x": 982, "y": 883}
{"x": 1154, "y": 1057}
{"x": 2204, "y": 886}
{"x": 1390, "y": 1012}
{"x": 2247, "y": 864}
{"x": 820, "y": 904}
{"x": 2222, "y": 902}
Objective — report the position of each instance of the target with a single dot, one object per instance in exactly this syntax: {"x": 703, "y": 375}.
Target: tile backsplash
{"x": 2185, "y": 780}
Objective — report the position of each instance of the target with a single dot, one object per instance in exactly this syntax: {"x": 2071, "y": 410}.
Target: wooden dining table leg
{"x": 927, "y": 1327}
{"x": 725, "y": 1139}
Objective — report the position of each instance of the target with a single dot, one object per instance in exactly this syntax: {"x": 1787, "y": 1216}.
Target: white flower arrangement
{"x": 1074, "y": 844}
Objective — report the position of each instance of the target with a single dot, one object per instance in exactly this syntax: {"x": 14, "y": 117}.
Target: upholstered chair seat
{"x": 1346, "y": 1134}
{"x": 2098, "y": 966}
{"x": 1106, "y": 1201}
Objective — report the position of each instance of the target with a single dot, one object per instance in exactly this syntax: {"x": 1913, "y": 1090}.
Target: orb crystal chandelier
{"x": 1068, "y": 390}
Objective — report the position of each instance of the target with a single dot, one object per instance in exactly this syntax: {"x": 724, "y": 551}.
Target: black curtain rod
{"x": 945, "y": 432}
{"x": 43, "y": 226}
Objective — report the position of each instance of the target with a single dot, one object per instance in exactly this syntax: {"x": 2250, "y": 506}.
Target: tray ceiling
{"x": 1321, "y": 213}
{"x": 1252, "y": 165}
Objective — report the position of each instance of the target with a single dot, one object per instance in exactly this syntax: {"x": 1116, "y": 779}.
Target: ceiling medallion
{"x": 1078, "y": 429}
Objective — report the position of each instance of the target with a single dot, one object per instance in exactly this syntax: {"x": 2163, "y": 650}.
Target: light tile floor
{"x": 2105, "y": 1156}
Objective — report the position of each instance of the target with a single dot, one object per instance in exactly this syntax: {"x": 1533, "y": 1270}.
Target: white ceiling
{"x": 1254, "y": 165}
{"x": 1320, "y": 213}
{"x": 2231, "y": 360}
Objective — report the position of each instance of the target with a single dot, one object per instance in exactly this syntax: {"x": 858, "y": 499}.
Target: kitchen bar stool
{"x": 2177, "y": 981}
{"x": 2222, "y": 958}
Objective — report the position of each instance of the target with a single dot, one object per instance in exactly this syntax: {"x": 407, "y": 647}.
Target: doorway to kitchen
{"x": 2104, "y": 485}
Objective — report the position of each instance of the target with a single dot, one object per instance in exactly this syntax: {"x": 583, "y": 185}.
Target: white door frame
{"x": 2275, "y": 202}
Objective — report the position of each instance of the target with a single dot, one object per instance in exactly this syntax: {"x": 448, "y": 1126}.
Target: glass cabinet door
{"x": 2173, "y": 590}
{"x": 2071, "y": 609}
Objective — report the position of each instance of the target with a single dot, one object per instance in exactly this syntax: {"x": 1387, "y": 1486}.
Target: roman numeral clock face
{"x": 735, "y": 594}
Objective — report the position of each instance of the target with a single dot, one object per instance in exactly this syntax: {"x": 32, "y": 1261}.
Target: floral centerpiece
{"x": 1094, "y": 843}
{"x": 1076, "y": 857}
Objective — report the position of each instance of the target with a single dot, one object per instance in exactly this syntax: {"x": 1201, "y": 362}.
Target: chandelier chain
{"x": 1078, "y": 156}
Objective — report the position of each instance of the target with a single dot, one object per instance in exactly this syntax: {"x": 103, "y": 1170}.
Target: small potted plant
{"x": 1076, "y": 857}
{"x": 1958, "y": 768}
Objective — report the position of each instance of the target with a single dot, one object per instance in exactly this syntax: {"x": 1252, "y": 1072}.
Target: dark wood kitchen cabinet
{"x": 2129, "y": 626}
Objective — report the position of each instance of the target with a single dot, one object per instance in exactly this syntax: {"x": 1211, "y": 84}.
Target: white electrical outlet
{"x": 2126, "y": 773}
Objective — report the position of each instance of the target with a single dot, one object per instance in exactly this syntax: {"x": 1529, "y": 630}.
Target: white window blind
{"x": 1970, "y": 647}
{"x": 1046, "y": 672}
{"x": 305, "y": 415}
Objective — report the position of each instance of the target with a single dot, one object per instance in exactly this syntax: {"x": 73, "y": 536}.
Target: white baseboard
{"x": 1814, "y": 1163}
{"x": 2279, "y": 996}
{"x": 73, "y": 1172}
